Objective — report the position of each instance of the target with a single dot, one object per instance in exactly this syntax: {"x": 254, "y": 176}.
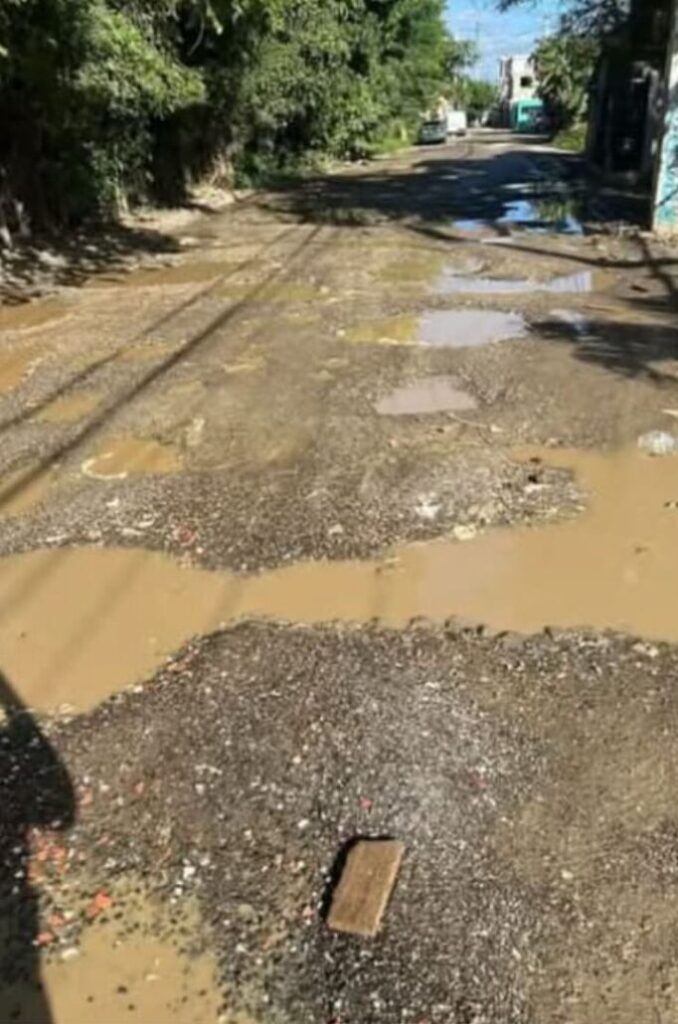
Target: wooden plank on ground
{"x": 365, "y": 887}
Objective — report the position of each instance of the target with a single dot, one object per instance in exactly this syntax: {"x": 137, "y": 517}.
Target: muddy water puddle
{"x": 454, "y": 284}
{"x": 528, "y": 215}
{"x": 23, "y": 489}
{"x": 31, "y": 314}
{"x": 118, "y": 458}
{"x": 426, "y": 395}
{"x": 469, "y": 328}
{"x": 14, "y": 366}
{"x": 445, "y": 328}
{"x": 78, "y": 625}
{"x": 70, "y": 408}
{"x": 137, "y": 968}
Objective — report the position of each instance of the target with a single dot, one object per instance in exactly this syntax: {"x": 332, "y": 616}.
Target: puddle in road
{"x": 70, "y": 408}
{"x": 426, "y": 395}
{"x": 554, "y": 216}
{"x": 453, "y": 284}
{"x": 120, "y": 457}
{"x": 469, "y": 328}
{"x": 537, "y": 216}
{"x": 79, "y": 624}
{"x": 137, "y": 968}
{"x": 13, "y": 367}
{"x": 449, "y": 328}
{"x": 22, "y": 489}
{"x": 31, "y": 314}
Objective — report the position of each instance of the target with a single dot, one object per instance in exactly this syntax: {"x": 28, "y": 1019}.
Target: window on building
{"x": 526, "y": 82}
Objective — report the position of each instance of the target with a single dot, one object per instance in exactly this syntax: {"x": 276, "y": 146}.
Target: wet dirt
{"x": 145, "y": 351}
{"x": 146, "y": 277}
{"x": 31, "y": 314}
{"x": 137, "y": 968}
{"x": 14, "y": 366}
{"x": 118, "y": 458}
{"x": 426, "y": 395}
{"x": 276, "y": 293}
{"x": 469, "y": 328}
{"x": 70, "y": 408}
{"x": 23, "y": 489}
{"x": 613, "y": 567}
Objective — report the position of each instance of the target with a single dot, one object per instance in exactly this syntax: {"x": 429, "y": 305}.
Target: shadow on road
{"x": 452, "y": 184}
{"x": 35, "y": 792}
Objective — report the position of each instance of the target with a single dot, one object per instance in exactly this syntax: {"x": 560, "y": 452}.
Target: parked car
{"x": 433, "y": 132}
{"x": 457, "y": 122}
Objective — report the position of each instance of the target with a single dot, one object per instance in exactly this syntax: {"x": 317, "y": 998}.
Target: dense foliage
{"x": 565, "y": 63}
{"x": 104, "y": 102}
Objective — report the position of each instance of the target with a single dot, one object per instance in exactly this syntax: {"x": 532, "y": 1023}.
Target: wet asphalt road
{"x": 217, "y": 405}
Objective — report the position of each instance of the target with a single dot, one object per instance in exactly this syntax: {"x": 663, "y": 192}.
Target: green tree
{"x": 564, "y": 64}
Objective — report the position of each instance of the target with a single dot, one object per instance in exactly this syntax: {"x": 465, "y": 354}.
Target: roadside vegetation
{"x": 566, "y": 60}
{"x": 107, "y": 103}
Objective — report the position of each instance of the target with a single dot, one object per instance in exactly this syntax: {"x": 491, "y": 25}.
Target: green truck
{"x": 527, "y": 115}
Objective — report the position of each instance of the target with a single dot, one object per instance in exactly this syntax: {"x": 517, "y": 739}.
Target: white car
{"x": 433, "y": 132}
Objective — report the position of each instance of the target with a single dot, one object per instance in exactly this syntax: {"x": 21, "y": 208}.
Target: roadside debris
{"x": 658, "y": 442}
{"x": 365, "y": 887}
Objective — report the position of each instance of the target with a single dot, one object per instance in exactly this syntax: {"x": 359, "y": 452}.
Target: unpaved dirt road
{"x": 330, "y": 521}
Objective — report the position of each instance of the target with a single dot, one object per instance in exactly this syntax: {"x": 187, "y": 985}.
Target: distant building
{"x": 517, "y": 81}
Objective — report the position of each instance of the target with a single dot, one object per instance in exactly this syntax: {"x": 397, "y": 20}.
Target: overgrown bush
{"x": 107, "y": 102}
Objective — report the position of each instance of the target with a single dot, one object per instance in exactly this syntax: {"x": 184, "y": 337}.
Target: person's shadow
{"x": 35, "y": 790}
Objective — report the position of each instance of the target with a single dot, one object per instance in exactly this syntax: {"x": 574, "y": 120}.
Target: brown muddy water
{"x": 120, "y": 457}
{"x": 24, "y": 488}
{"x": 139, "y": 971}
{"x": 77, "y": 625}
{"x": 31, "y": 314}
{"x": 14, "y": 366}
{"x": 426, "y": 395}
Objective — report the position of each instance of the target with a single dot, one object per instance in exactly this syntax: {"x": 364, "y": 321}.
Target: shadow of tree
{"x": 35, "y": 791}
{"x": 454, "y": 185}
{"x": 71, "y": 258}
{"x": 633, "y": 349}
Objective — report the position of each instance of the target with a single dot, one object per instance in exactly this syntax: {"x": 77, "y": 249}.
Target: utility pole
{"x": 665, "y": 203}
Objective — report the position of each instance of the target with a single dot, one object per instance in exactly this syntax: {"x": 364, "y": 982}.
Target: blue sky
{"x": 500, "y": 35}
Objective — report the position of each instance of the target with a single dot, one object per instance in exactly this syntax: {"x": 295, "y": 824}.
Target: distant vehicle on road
{"x": 433, "y": 132}
{"x": 527, "y": 115}
{"x": 457, "y": 122}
